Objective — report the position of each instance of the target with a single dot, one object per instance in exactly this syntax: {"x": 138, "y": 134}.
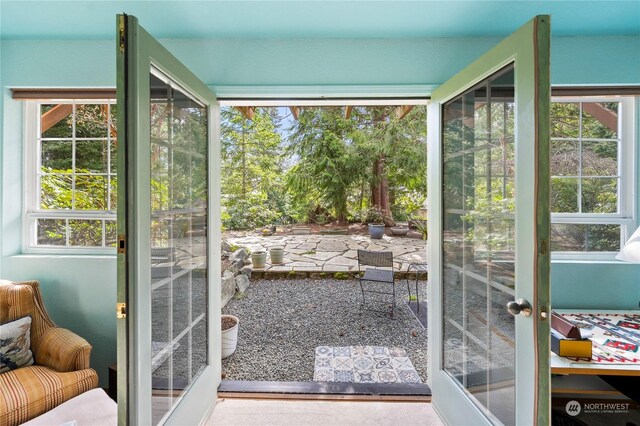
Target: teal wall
{"x": 79, "y": 291}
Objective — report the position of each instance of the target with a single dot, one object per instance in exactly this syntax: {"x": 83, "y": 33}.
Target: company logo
{"x": 573, "y": 408}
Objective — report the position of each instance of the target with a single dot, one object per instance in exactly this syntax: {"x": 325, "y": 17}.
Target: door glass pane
{"x": 178, "y": 242}
{"x": 479, "y": 243}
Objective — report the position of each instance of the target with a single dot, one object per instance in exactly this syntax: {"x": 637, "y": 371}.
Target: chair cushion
{"x": 15, "y": 344}
{"x": 381, "y": 275}
{"x": 30, "y": 391}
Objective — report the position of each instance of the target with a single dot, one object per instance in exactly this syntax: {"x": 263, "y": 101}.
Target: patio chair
{"x": 375, "y": 270}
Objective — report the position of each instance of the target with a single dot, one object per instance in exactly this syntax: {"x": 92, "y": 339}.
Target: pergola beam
{"x": 54, "y": 116}
{"x": 248, "y": 112}
{"x": 602, "y": 114}
{"x": 403, "y": 110}
{"x": 347, "y": 112}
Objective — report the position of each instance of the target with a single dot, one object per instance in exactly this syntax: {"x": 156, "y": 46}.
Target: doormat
{"x": 363, "y": 364}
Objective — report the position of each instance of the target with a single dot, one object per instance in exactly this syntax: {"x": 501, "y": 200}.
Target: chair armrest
{"x": 63, "y": 350}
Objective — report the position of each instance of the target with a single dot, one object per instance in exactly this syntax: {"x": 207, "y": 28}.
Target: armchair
{"x": 61, "y": 368}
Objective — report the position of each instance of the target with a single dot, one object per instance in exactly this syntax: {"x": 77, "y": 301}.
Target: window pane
{"x": 600, "y": 195}
{"x": 583, "y": 238}
{"x": 91, "y": 156}
{"x": 113, "y": 120}
{"x": 565, "y": 120}
{"x": 114, "y": 156}
{"x": 85, "y": 233}
{"x": 91, "y": 192}
{"x": 564, "y": 195}
{"x": 56, "y": 121}
{"x": 600, "y": 120}
{"x": 479, "y": 242}
{"x": 56, "y": 192}
{"x": 51, "y": 232}
{"x": 57, "y": 156}
{"x": 111, "y": 233}
{"x": 564, "y": 158}
{"x": 600, "y": 158}
{"x": 113, "y": 200}
{"x": 91, "y": 121}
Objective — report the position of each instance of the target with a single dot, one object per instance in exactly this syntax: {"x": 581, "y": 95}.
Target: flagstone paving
{"x": 332, "y": 253}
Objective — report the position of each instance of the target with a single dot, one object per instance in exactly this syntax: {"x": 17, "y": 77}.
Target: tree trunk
{"x": 244, "y": 161}
{"x": 380, "y": 191}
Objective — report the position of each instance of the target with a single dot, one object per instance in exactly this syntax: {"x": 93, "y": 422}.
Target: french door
{"x": 489, "y": 235}
{"x": 168, "y": 370}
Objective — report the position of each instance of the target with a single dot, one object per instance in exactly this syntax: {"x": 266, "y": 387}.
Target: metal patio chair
{"x": 376, "y": 268}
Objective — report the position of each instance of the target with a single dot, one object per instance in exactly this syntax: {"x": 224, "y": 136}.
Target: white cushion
{"x": 15, "y": 344}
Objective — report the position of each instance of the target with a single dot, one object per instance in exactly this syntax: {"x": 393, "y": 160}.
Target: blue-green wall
{"x": 79, "y": 291}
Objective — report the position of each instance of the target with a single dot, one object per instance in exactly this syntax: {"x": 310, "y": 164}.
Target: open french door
{"x": 489, "y": 235}
{"x": 168, "y": 370}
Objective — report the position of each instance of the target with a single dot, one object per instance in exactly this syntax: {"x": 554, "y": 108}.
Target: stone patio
{"x": 313, "y": 254}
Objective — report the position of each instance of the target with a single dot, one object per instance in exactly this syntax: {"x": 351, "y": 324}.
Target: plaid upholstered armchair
{"x": 61, "y": 359}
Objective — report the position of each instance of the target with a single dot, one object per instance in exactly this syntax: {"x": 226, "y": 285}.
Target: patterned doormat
{"x": 363, "y": 364}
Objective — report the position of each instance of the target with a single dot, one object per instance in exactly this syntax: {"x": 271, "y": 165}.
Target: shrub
{"x": 372, "y": 215}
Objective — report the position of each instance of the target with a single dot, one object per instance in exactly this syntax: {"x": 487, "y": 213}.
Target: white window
{"x": 592, "y": 175}
{"x": 70, "y": 176}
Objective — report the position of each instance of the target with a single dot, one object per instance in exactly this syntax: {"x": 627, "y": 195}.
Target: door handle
{"x": 519, "y": 306}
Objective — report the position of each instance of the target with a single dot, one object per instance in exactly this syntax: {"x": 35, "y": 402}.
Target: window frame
{"x": 32, "y": 191}
{"x": 626, "y": 215}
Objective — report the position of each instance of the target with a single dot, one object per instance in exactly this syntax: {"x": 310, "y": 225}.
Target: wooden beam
{"x": 295, "y": 111}
{"x": 403, "y": 110}
{"x": 49, "y": 94}
{"x": 54, "y": 116}
{"x": 602, "y": 114}
{"x": 247, "y": 112}
{"x": 347, "y": 112}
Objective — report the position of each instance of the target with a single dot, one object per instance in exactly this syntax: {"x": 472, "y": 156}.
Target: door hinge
{"x": 121, "y": 33}
{"x": 122, "y": 244}
{"x": 121, "y": 310}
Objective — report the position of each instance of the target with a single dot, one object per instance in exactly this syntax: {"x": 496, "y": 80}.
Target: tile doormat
{"x": 363, "y": 364}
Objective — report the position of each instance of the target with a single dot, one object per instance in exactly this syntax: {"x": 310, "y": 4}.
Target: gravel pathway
{"x": 282, "y": 322}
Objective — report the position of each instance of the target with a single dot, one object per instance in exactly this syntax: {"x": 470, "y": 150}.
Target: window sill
{"x": 61, "y": 255}
{"x": 599, "y": 261}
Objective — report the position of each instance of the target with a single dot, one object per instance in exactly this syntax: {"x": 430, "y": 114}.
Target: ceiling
{"x": 24, "y": 19}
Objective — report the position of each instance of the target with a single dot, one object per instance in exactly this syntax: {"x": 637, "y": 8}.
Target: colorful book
{"x": 562, "y": 346}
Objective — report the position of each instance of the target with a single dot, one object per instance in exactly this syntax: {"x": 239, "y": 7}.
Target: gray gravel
{"x": 283, "y": 321}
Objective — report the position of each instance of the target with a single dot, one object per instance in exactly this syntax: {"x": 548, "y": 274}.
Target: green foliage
{"x": 252, "y": 188}
{"x": 421, "y": 226}
{"x": 326, "y": 169}
{"x": 372, "y": 215}
{"x": 341, "y": 275}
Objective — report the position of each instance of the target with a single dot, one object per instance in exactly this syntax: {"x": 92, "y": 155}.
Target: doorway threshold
{"x": 409, "y": 392}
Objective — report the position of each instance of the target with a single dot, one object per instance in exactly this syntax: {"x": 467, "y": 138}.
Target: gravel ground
{"x": 283, "y": 321}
